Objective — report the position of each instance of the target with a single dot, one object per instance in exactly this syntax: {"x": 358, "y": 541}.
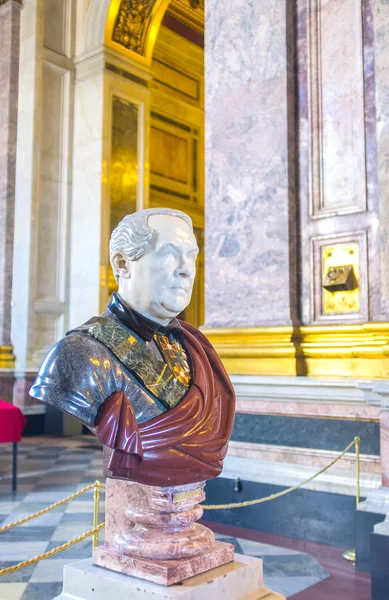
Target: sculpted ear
{"x": 121, "y": 265}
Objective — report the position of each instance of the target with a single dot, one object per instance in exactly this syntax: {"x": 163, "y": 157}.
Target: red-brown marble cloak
{"x": 183, "y": 445}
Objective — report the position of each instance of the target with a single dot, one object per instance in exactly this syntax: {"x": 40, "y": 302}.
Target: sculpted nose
{"x": 185, "y": 269}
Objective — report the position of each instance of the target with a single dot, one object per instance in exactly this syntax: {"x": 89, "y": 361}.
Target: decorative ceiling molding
{"x": 189, "y": 12}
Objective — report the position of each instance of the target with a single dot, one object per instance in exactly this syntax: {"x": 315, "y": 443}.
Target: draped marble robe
{"x": 147, "y": 441}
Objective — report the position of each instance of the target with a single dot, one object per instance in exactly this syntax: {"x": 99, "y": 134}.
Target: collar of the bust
{"x": 144, "y": 327}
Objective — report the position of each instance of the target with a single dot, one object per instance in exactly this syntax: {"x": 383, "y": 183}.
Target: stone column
{"x": 381, "y": 60}
{"x": 9, "y": 73}
{"x": 250, "y": 216}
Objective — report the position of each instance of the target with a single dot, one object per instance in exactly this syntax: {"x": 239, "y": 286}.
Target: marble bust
{"x": 150, "y": 386}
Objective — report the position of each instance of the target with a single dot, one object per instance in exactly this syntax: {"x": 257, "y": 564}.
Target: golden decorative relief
{"x": 340, "y": 273}
{"x": 189, "y": 12}
{"x": 131, "y": 26}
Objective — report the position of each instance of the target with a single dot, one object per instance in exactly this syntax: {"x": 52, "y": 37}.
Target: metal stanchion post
{"x": 351, "y": 554}
{"x": 96, "y": 511}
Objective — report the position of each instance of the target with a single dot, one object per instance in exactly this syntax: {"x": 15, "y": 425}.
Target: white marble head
{"x": 153, "y": 256}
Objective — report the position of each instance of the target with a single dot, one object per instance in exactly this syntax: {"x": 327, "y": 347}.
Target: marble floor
{"x": 52, "y": 468}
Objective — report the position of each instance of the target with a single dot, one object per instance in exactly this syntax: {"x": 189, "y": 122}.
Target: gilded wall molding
{"x": 256, "y": 351}
{"x": 7, "y": 358}
{"x": 318, "y": 351}
{"x": 189, "y": 12}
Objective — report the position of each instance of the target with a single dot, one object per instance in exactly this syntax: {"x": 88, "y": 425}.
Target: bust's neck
{"x": 145, "y": 313}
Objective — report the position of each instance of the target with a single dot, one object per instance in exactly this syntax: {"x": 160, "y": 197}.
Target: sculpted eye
{"x": 167, "y": 252}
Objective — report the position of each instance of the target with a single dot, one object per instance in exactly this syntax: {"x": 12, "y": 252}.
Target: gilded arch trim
{"x": 132, "y": 27}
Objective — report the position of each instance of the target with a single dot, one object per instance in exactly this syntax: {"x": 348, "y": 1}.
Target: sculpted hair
{"x": 133, "y": 234}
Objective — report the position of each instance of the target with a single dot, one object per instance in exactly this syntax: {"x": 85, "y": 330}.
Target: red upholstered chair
{"x": 12, "y": 423}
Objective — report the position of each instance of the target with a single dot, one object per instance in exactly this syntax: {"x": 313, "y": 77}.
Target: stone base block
{"x": 164, "y": 572}
{"x": 239, "y": 580}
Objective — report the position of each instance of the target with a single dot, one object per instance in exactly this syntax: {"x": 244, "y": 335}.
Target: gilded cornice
{"x": 321, "y": 351}
{"x": 189, "y": 12}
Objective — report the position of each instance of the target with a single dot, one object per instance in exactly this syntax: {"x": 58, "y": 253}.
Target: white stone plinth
{"x": 239, "y": 580}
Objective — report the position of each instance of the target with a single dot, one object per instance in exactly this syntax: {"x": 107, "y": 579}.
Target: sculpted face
{"x": 159, "y": 284}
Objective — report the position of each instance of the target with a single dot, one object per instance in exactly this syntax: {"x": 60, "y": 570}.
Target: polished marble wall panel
{"x": 380, "y": 18}
{"x": 336, "y": 107}
{"x": 337, "y": 146}
{"x": 304, "y": 514}
{"x": 250, "y": 255}
{"x": 302, "y": 432}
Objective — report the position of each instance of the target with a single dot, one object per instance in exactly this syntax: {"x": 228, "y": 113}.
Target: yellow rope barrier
{"x": 96, "y": 528}
{"x": 31, "y": 561}
{"x": 48, "y": 508}
{"x": 284, "y": 492}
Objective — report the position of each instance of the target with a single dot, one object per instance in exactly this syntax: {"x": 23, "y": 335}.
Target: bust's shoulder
{"x": 74, "y": 348}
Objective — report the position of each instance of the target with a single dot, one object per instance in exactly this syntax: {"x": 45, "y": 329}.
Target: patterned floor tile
{"x": 72, "y": 465}
{"x": 12, "y": 591}
{"x": 68, "y": 531}
{"x": 299, "y": 565}
{"x": 41, "y": 591}
{"x": 79, "y": 506}
{"x": 20, "y": 576}
{"x": 27, "y": 534}
{"x": 49, "y": 497}
{"x": 262, "y": 550}
{"x": 50, "y": 570}
{"x": 18, "y": 551}
{"x": 291, "y": 585}
{"x": 78, "y": 551}
{"x": 48, "y": 520}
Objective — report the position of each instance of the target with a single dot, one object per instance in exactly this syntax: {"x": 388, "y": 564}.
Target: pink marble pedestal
{"x": 151, "y": 533}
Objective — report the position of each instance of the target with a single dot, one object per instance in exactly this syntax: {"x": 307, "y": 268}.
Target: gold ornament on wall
{"x": 341, "y": 293}
{"x": 131, "y": 26}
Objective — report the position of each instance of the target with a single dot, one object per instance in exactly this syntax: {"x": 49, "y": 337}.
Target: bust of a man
{"x": 150, "y": 386}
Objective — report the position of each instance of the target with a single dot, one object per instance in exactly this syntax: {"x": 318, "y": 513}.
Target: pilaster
{"x": 9, "y": 88}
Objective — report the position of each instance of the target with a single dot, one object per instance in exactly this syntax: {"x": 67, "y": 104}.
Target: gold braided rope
{"x": 49, "y": 508}
{"x": 96, "y": 529}
{"x": 283, "y": 493}
{"x": 31, "y": 561}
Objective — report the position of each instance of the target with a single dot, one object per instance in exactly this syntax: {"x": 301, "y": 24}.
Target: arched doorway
{"x": 166, "y": 150}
